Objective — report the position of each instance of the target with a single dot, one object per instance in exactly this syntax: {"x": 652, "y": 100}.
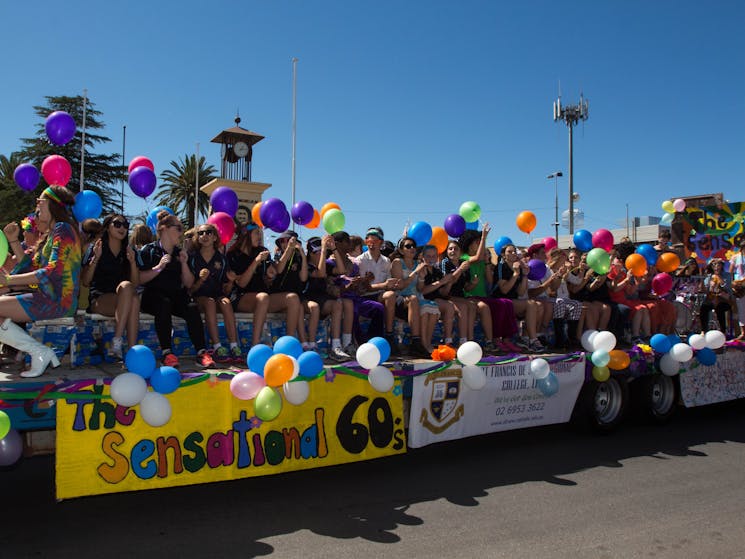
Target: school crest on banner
{"x": 445, "y": 407}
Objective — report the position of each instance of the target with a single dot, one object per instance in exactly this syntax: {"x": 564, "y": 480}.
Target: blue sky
{"x": 407, "y": 109}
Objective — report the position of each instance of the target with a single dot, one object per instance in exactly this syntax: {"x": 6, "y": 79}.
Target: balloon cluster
{"x": 370, "y": 355}
{"x": 674, "y": 352}
{"x": 597, "y": 245}
{"x": 670, "y": 207}
{"x": 142, "y": 178}
{"x": 469, "y": 354}
{"x": 545, "y": 379}
{"x": 11, "y": 443}
{"x": 601, "y": 345}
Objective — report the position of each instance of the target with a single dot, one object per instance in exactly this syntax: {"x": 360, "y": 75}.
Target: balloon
{"x": 271, "y": 211}
{"x": 140, "y": 161}
{"x": 604, "y": 340}
{"x": 602, "y": 238}
{"x": 421, "y": 232}
{"x": 600, "y": 373}
{"x": 329, "y": 206}
{"x": 11, "y": 448}
{"x": 537, "y": 269}
{"x": 316, "y": 221}
{"x": 246, "y": 385}
{"x": 268, "y": 404}
{"x": 26, "y": 176}
{"x": 165, "y": 379}
{"x": 296, "y": 392}
{"x": 549, "y": 243}
{"x": 619, "y": 360}
{"x": 368, "y": 356}
{"x": 540, "y": 368}
{"x": 679, "y": 205}
{"x": 714, "y": 339}
{"x": 87, "y": 205}
{"x": 439, "y": 239}
{"x": 128, "y": 389}
{"x": 667, "y": 219}
{"x": 333, "y": 221}
{"x": 660, "y": 343}
{"x": 472, "y": 225}
{"x": 289, "y": 345}
{"x": 588, "y": 337}
{"x": 140, "y": 360}
{"x": 474, "y": 377}
{"x": 526, "y": 221}
{"x": 384, "y": 347}
{"x": 302, "y": 213}
{"x": 470, "y": 211}
{"x": 224, "y": 199}
{"x": 381, "y": 378}
{"x": 224, "y": 224}
{"x": 662, "y": 283}
{"x": 3, "y": 248}
{"x": 5, "y": 424}
{"x": 256, "y": 214}
{"x": 706, "y": 356}
{"x": 152, "y": 217}
{"x": 649, "y": 253}
{"x": 278, "y": 369}
{"x": 155, "y": 409}
{"x": 257, "y": 357}
{"x": 283, "y": 223}
{"x": 142, "y": 181}
{"x": 470, "y": 353}
{"x": 600, "y": 358}
{"x": 549, "y": 385}
{"x": 455, "y": 225}
{"x": 681, "y": 352}
{"x": 697, "y": 341}
{"x": 668, "y": 262}
{"x": 668, "y": 206}
{"x": 668, "y": 365}
{"x": 582, "y": 240}
{"x": 636, "y": 265}
{"x": 60, "y": 128}
{"x": 500, "y": 243}
{"x": 56, "y": 170}
{"x": 599, "y": 260}
{"x": 310, "y": 364}
{"x": 674, "y": 339}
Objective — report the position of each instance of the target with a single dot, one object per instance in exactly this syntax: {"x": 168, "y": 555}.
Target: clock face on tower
{"x": 240, "y": 149}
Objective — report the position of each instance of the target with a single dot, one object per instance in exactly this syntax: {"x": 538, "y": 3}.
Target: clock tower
{"x": 236, "y": 155}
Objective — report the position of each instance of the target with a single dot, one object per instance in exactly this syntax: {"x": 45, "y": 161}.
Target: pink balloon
{"x": 140, "y": 161}
{"x": 225, "y": 225}
{"x": 246, "y": 385}
{"x": 602, "y": 238}
{"x": 549, "y": 243}
{"x": 662, "y": 283}
{"x": 56, "y": 170}
{"x": 679, "y": 205}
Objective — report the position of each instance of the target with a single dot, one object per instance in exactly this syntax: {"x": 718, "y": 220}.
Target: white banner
{"x": 443, "y": 408}
{"x": 722, "y": 381}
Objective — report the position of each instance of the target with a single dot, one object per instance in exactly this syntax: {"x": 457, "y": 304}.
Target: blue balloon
{"x": 472, "y": 225}
{"x": 648, "y": 252}
{"x": 500, "y": 243}
{"x": 140, "y": 360}
{"x": 548, "y": 385}
{"x": 165, "y": 379}
{"x": 383, "y": 346}
{"x": 583, "y": 240}
{"x": 421, "y": 232}
{"x": 152, "y": 217}
{"x": 674, "y": 339}
{"x": 258, "y": 355}
{"x": 289, "y": 345}
{"x": 310, "y": 364}
{"x": 660, "y": 343}
{"x": 706, "y": 356}
{"x": 87, "y": 205}
{"x": 667, "y": 219}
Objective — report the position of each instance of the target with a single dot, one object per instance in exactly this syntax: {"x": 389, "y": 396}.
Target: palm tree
{"x": 178, "y": 185}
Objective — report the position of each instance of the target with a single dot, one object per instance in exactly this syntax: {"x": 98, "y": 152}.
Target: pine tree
{"x": 15, "y": 203}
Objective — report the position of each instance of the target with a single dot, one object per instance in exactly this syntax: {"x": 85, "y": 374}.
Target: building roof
{"x": 237, "y": 134}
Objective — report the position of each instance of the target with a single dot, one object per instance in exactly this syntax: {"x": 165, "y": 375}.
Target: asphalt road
{"x": 645, "y": 491}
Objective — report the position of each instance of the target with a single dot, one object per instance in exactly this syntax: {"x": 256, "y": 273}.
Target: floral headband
{"x": 28, "y": 223}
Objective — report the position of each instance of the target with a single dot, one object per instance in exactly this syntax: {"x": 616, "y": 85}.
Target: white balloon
{"x": 295, "y": 368}
{"x": 604, "y": 340}
{"x": 697, "y": 341}
{"x": 381, "y": 378}
{"x": 681, "y": 352}
{"x": 669, "y": 366}
{"x": 368, "y": 356}
{"x": 470, "y": 353}
{"x": 128, "y": 389}
{"x": 540, "y": 368}
{"x": 474, "y": 377}
{"x": 715, "y": 339}
{"x": 155, "y": 409}
{"x": 296, "y": 392}
{"x": 587, "y": 339}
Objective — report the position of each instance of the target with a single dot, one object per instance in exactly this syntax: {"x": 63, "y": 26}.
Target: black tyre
{"x": 601, "y": 405}
{"x": 658, "y": 397}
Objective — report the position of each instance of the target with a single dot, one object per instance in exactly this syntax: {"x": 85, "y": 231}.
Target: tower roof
{"x": 237, "y": 134}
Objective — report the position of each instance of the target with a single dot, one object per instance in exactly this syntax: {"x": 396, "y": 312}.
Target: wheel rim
{"x": 662, "y": 394}
{"x": 608, "y": 401}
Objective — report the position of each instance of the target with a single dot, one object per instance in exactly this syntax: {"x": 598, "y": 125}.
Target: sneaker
{"x": 204, "y": 360}
{"x": 491, "y": 348}
{"x": 536, "y": 346}
{"x": 115, "y": 351}
{"x": 395, "y": 347}
{"x": 523, "y": 343}
{"x": 170, "y": 360}
{"x": 350, "y": 349}
{"x": 236, "y": 354}
{"x": 417, "y": 349}
{"x": 221, "y": 354}
{"x": 339, "y": 355}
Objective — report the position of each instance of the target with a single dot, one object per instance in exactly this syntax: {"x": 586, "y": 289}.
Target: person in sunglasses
{"x": 163, "y": 267}
{"x": 111, "y": 274}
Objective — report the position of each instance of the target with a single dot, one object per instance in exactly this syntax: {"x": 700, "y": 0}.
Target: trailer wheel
{"x": 602, "y": 404}
{"x": 659, "y": 396}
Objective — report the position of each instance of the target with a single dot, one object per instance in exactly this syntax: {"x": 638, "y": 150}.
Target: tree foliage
{"x": 15, "y": 203}
{"x": 178, "y": 187}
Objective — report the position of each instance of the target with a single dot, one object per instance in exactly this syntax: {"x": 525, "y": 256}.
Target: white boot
{"x": 41, "y": 355}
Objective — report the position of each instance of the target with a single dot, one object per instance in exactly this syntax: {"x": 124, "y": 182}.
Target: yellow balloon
{"x": 668, "y": 207}
{"x": 600, "y": 374}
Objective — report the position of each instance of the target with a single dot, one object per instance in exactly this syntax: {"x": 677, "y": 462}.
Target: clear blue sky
{"x": 407, "y": 109}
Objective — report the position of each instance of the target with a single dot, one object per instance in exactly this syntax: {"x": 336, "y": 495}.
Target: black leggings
{"x": 163, "y": 305}
{"x": 720, "y": 309}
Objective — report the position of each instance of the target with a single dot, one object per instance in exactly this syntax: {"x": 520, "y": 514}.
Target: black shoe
{"x": 395, "y": 347}
{"x": 417, "y": 349}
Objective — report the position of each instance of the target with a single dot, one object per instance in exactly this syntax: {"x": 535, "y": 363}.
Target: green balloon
{"x": 598, "y": 260}
{"x": 470, "y": 211}
{"x": 4, "y": 424}
{"x": 268, "y": 404}
{"x": 333, "y": 221}
{"x": 3, "y": 250}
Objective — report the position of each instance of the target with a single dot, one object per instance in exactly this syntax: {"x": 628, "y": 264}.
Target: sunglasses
{"x": 204, "y": 233}
{"x": 120, "y": 224}
{"x": 408, "y": 245}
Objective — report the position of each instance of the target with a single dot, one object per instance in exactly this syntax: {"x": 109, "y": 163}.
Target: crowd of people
{"x": 128, "y": 270}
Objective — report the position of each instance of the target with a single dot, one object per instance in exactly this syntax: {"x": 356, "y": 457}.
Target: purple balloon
{"x": 224, "y": 199}
{"x": 537, "y": 269}
{"x": 142, "y": 181}
{"x": 11, "y": 448}
{"x": 26, "y": 176}
{"x": 302, "y": 213}
{"x": 271, "y": 211}
{"x": 60, "y": 127}
{"x": 455, "y": 225}
{"x": 281, "y": 223}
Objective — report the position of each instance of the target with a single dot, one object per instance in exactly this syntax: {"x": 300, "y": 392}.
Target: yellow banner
{"x": 213, "y": 436}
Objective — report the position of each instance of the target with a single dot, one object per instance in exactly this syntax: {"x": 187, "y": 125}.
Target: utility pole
{"x": 556, "y": 176}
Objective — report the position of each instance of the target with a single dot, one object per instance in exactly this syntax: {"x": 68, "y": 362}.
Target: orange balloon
{"x": 636, "y": 264}
{"x": 439, "y": 239}
{"x": 668, "y": 262}
{"x": 278, "y": 370}
{"x": 526, "y": 221}
{"x": 329, "y": 206}
{"x": 315, "y": 222}
{"x": 619, "y": 360}
{"x": 255, "y": 214}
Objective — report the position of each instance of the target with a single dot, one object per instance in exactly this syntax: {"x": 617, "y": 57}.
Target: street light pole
{"x": 556, "y": 176}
